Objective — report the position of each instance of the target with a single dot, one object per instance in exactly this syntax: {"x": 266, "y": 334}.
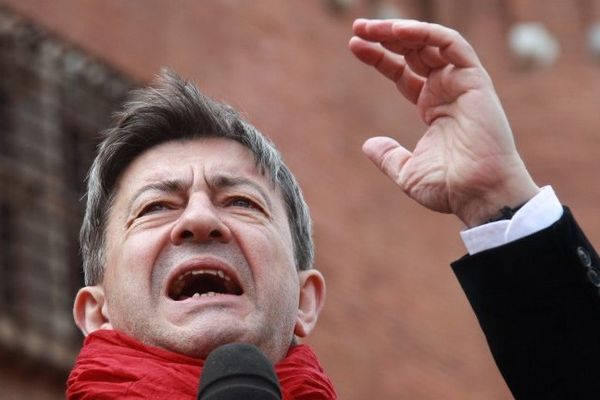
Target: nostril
{"x": 215, "y": 233}
{"x": 192, "y": 235}
{"x": 186, "y": 234}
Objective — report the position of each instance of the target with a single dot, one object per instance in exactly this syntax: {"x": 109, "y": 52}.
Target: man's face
{"x": 199, "y": 252}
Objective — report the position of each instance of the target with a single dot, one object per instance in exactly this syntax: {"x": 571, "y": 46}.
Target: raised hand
{"x": 466, "y": 162}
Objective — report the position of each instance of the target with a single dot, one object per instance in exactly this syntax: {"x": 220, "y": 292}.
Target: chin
{"x": 199, "y": 343}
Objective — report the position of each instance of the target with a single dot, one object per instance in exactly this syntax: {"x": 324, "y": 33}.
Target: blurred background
{"x": 396, "y": 324}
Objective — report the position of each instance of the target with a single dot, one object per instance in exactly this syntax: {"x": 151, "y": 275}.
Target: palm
{"x": 448, "y": 158}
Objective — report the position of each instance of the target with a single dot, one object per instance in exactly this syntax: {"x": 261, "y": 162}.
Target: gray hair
{"x": 174, "y": 109}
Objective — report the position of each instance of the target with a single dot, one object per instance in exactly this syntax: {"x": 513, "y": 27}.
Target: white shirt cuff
{"x": 540, "y": 212}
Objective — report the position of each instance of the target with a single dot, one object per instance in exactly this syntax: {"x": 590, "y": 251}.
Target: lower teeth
{"x": 207, "y": 294}
{"x": 198, "y": 295}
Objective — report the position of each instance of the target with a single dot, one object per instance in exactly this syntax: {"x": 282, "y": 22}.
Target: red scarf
{"x": 112, "y": 365}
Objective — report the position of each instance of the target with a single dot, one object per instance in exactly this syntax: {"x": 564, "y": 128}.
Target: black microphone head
{"x": 238, "y": 371}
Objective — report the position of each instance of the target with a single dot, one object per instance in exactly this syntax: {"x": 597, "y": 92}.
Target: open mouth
{"x": 203, "y": 283}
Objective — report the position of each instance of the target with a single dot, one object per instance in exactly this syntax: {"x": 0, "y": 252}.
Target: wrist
{"x": 505, "y": 213}
{"x": 497, "y": 205}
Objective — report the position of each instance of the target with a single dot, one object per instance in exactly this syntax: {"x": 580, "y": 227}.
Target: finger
{"x": 416, "y": 34}
{"x": 358, "y": 25}
{"x": 387, "y": 155}
{"x": 410, "y": 85}
{"x": 422, "y": 60}
{"x": 431, "y": 57}
{"x": 375, "y": 30}
{"x": 390, "y": 65}
{"x": 452, "y": 46}
{"x": 414, "y": 61}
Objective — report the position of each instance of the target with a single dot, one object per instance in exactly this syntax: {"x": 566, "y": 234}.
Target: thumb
{"x": 387, "y": 154}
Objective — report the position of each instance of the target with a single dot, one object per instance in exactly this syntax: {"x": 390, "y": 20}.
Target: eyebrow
{"x": 165, "y": 186}
{"x": 218, "y": 181}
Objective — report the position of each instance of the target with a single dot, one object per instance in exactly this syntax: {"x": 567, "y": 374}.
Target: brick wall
{"x": 54, "y": 99}
{"x": 396, "y": 324}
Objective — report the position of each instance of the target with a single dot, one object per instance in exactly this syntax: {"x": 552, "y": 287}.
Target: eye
{"x": 154, "y": 208}
{"x": 243, "y": 202}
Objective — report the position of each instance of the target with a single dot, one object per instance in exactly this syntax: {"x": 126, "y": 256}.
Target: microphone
{"x": 238, "y": 371}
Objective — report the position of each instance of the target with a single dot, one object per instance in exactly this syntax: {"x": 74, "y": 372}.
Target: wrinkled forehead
{"x": 202, "y": 153}
{"x": 192, "y": 161}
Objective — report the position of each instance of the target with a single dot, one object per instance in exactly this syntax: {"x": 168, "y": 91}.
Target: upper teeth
{"x": 219, "y": 273}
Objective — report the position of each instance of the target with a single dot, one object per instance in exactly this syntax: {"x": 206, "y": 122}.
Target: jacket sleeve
{"x": 538, "y": 302}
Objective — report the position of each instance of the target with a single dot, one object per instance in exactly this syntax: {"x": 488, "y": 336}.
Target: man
{"x": 196, "y": 234}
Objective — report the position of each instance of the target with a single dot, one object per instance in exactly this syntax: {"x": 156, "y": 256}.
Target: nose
{"x": 200, "y": 222}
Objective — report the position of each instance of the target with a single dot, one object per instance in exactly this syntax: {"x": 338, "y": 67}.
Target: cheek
{"x": 269, "y": 253}
{"x": 131, "y": 261}
{"x": 267, "y": 250}
{"x": 274, "y": 271}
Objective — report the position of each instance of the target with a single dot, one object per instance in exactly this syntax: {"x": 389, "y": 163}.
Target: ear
{"x": 90, "y": 310}
{"x": 312, "y": 298}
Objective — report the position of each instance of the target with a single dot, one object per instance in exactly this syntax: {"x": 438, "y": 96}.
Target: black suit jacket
{"x": 538, "y": 302}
